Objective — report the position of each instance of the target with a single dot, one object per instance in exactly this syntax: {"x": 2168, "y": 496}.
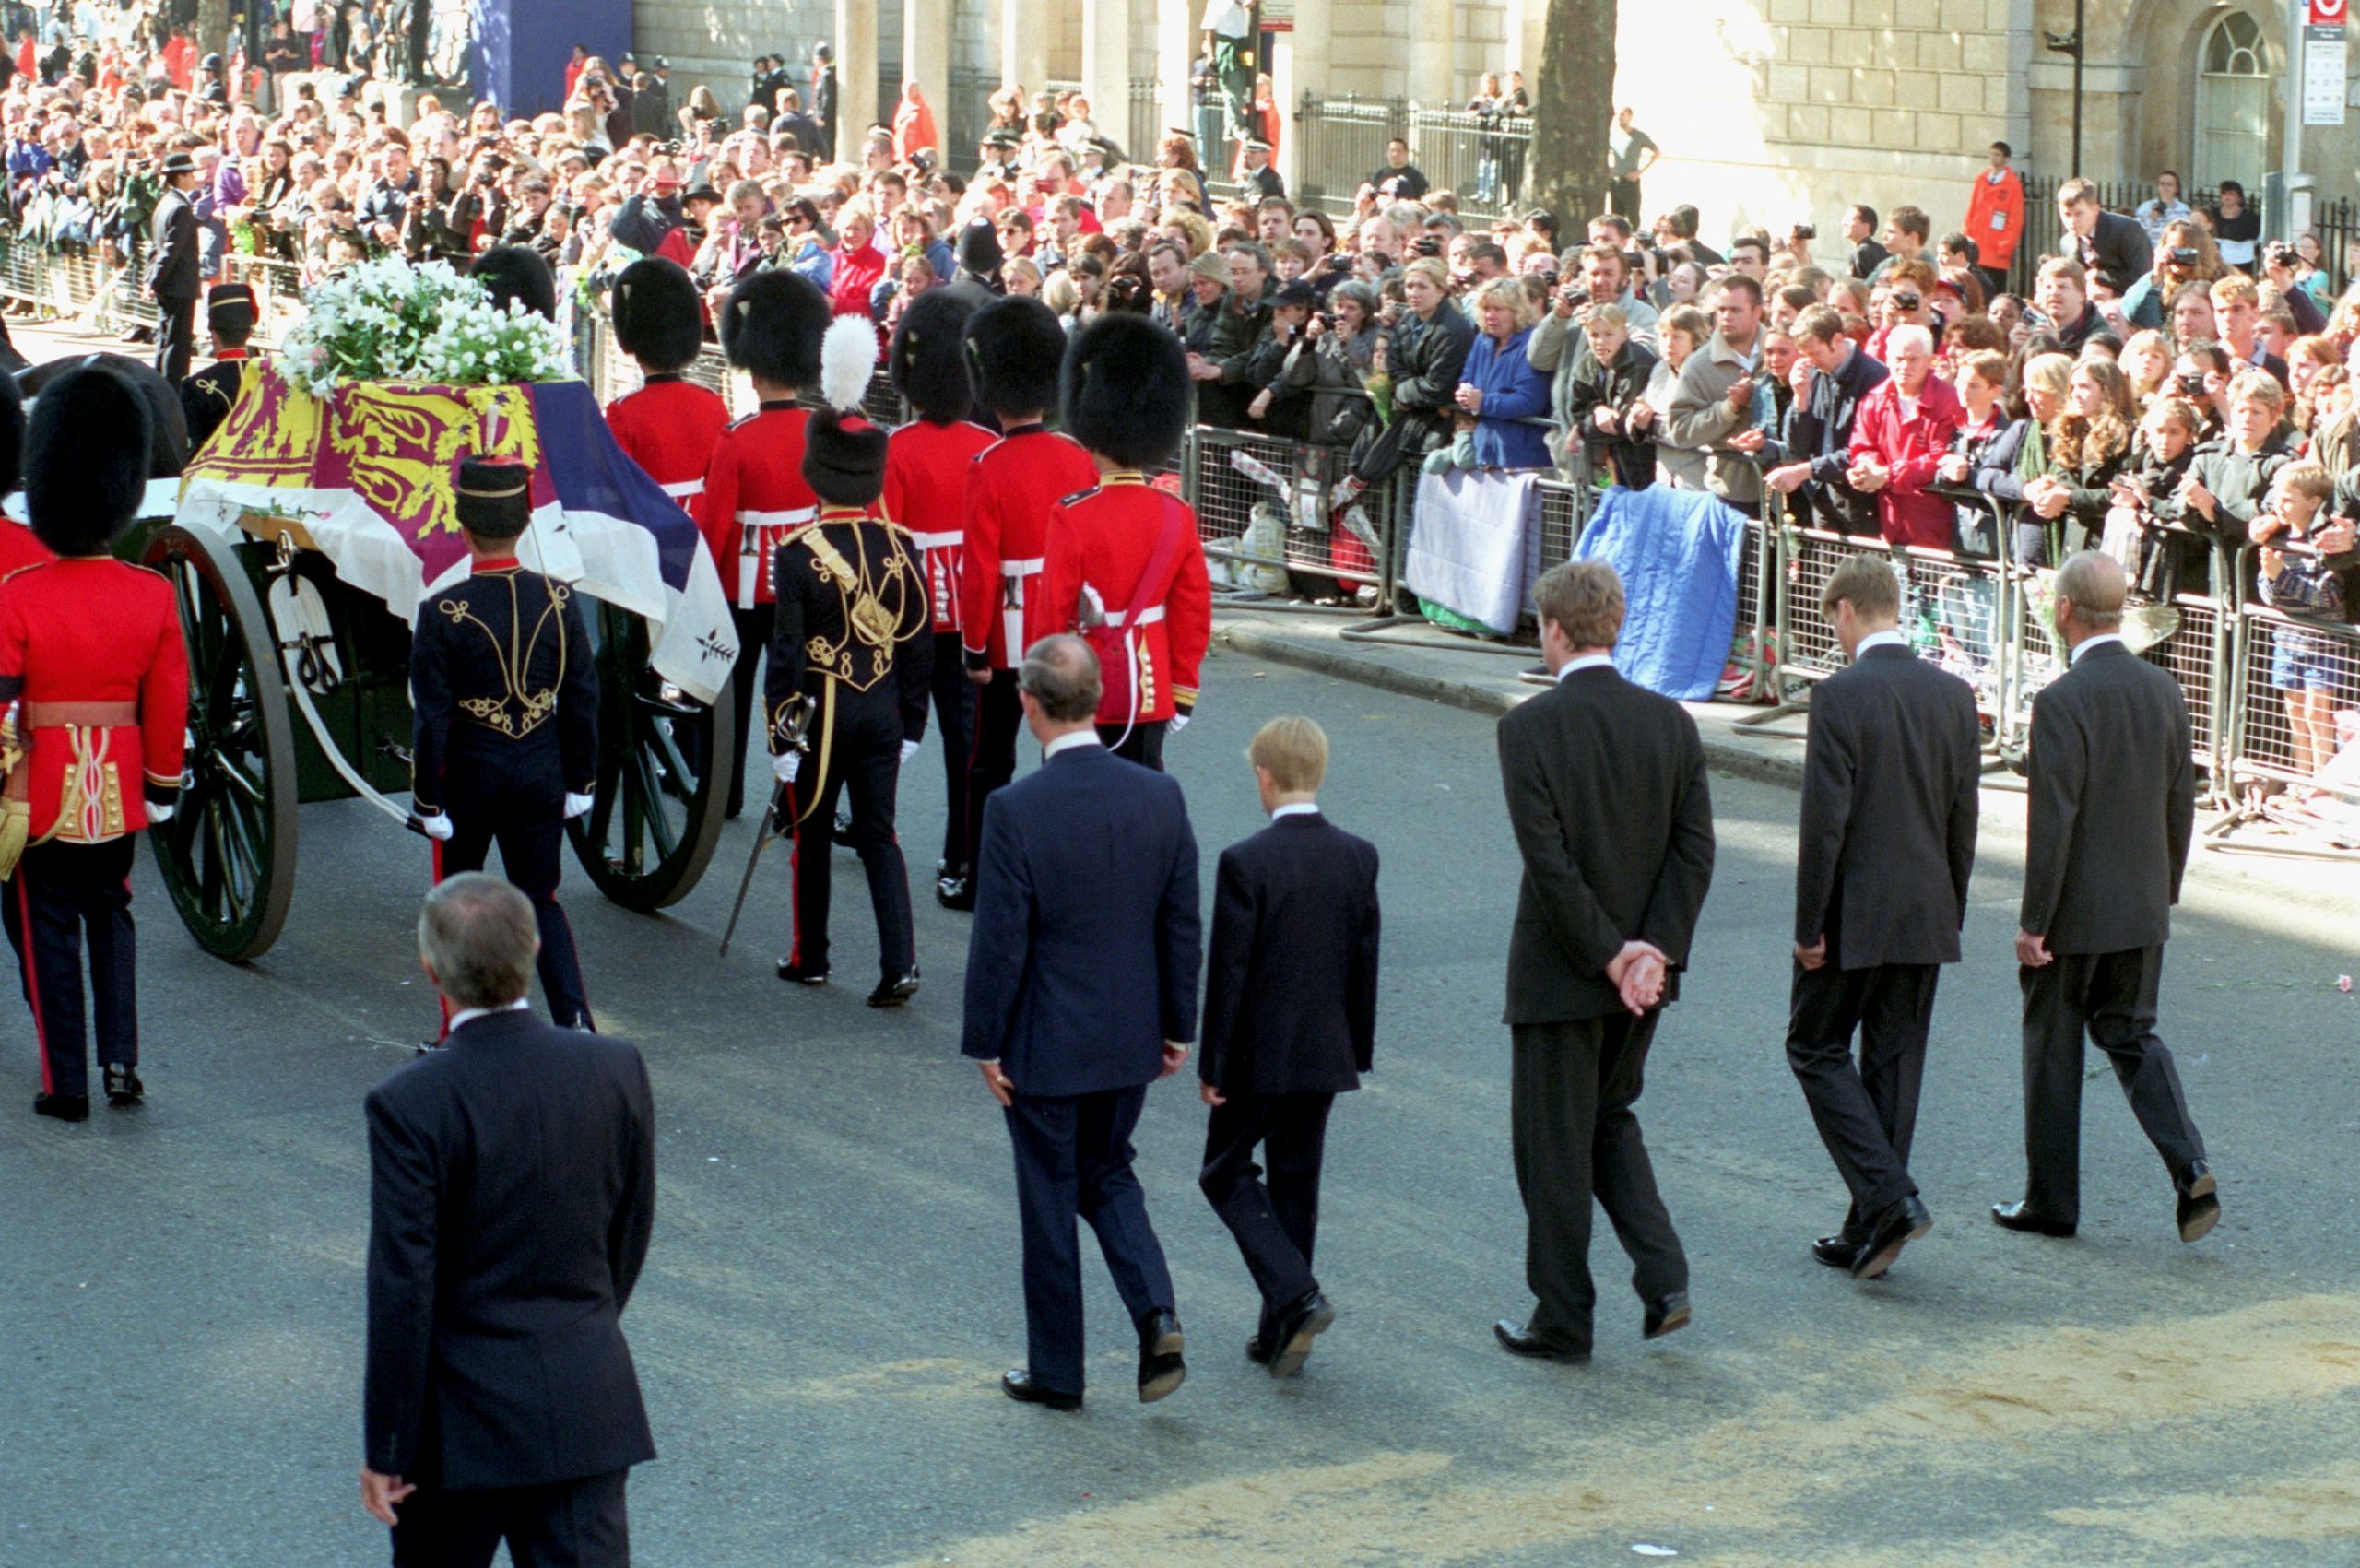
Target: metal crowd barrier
{"x": 2292, "y": 774}
{"x": 1271, "y": 538}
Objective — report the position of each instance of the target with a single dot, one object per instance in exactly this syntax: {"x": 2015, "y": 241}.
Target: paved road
{"x": 833, "y": 1285}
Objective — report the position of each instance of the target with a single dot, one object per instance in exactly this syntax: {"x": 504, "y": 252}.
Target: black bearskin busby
{"x": 12, "y": 435}
{"x": 495, "y": 499}
{"x": 771, "y": 328}
{"x": 518, "y": 272}
{"x": 168, "y": 446}
{"x": 1015, "y": 346}
{"x": 928, "y": 362}
{"x": 86, "y": 448}
{"x": 1125, "y": 391}
{"x": 659, "y": 321}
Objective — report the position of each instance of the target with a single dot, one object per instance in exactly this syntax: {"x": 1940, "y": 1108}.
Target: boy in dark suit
{"x": 1290, "y": 1023}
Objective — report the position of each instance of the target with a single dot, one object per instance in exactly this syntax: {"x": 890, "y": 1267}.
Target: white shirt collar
{"x": 468, "y": 1015}
{"x": 1297, "y": 809}
{"x": 2087, "y": 644}
{"x": 1591, "y": 661}
{"x": 1880, "y": 640}
{"x": 1067, "y": 742}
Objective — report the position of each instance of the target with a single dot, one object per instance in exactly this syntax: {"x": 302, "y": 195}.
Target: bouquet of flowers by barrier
{"x": 393, "y": 320}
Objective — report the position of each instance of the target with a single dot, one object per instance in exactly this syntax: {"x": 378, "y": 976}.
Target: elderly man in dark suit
{"x": 1290, "y": 1023}
{"x": 1607, "y": 793}
{"x": 1082, "y": 991}
{"x": 174, "y": 278}
{"x": 1889, "y": 775}
{"x": 2112, "y": 802}
{"x": 512, "y": 1192}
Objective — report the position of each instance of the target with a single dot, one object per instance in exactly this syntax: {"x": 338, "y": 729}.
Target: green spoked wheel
{"x": 228, "y": 856}
{"x": 664, "y": 761}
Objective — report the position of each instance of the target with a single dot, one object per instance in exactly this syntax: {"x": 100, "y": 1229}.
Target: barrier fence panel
{"x": 1262, "y": 507}
{"x": 2293, "y": 745}
{"x": 1343, "y": 143}
{"x": 1955, "y": 609}
{"x": 1479, "y": 157}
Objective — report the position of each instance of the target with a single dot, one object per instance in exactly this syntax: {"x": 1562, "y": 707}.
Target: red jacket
{"x": 1995, "y": 218}
{"x": 856, "y": 277}
{"x": 1910, "y": 448}
{"x": 18, "y": 548}
{"x": 754, "y": 496}
{"x": 670, "y": 426}
{"x": 1105, "y": 539}
{"x": 926, "y": 491}
{"x": 87, "y": 634}
{"x": 1012, "y": 490}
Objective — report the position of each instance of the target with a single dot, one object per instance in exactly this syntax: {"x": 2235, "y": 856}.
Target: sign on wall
{"x": 2323, "y": 63}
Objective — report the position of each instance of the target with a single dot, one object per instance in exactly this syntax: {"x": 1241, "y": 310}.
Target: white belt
{"x": 754, "y": 550}
{"x": 1021, "y": 568}
{"x": 1147, "y": 617}
{"x": 685, "y": 489}
{"x": 938, "y": 541}
{"x": 800, "y": 515}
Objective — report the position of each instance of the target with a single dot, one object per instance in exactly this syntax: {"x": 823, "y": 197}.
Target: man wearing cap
{"x": 506, "y": 730}
{"x": 94, "y": 686}
{"x": 670, "y": 425}
{"x": 1259, "y": 179}
{"x": 207, "y": 396}
{"x": 174, "y": 280}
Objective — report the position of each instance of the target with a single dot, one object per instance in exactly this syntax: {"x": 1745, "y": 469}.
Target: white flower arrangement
{"x": 391, "y": 319}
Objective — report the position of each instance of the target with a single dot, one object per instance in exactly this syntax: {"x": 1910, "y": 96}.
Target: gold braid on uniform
{"x": 882, "y": 603}
{"x": 519, "y": 713}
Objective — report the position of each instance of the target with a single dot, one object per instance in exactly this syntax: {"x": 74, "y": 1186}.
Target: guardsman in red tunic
{"x": 670, "y": 425}
{"x": 1016, "y": 346}
{"x": 754, "y": 490}
{"x": 927, "y": 465}
{"x": 94, "y": 677}
{"x": 1127, "y": 568}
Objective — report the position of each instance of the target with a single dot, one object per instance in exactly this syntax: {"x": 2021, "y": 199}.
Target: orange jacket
{"x": 1995, "y": 218}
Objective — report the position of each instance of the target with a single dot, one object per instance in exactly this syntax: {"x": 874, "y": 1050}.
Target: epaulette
{"x": 1081, "y": 495}
{"x": 742, "y": 420}
{"x": 35, "y": 566}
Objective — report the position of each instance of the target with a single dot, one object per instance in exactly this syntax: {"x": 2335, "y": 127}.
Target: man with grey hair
{"x": 511, "y": 1195}
{"x": 2111, "y": 798}
{"x": 1082, "y": 991}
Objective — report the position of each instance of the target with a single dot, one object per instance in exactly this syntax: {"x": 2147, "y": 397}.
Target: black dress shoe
{"x": 2200, "y": 1208}
{"x": 1898, "y": 1226}
{"x": 1835, "y": 1251}
{"x": 1291, "y": 1336}
{"x": 1257, "y": 1350}
{"x": 1522, "y": 1342}
{"x": 64, "y": 1107}
{"x": 895, "y": 989}
{"x": 2022, "y": 1216}
{"x": 802, "y": 974}
{"x": 1162, "y": 1369}
{"x": 955, "y": 892}
{"x": 124, "y": 1087}
{"x": 1020, "y": 1386}
{"x": 1668, "y": 1316}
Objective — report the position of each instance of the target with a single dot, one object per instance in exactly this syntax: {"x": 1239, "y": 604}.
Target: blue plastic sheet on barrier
{"x": 1679, "y": 553}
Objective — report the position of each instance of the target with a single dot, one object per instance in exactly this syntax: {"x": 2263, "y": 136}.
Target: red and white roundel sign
{"x": 2330, "y": 13}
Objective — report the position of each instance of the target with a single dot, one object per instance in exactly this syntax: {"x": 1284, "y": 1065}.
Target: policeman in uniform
{"x": 207, "y": 396}
{"x": 754, "y": 490}
{"x": 926, "y": 491}
{"x": 849, "y": 665}
{"x": 670, "y": 425}
{"x": 1015, "y": 346}
{"x": 1125, "y": 566}
{"x": 94, "y": 679}
{"x": 173, "y": 274}
{"x": 507, "y": 717}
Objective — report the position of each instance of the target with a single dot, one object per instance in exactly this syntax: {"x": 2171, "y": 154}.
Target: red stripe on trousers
{"x": 32, "y": 983}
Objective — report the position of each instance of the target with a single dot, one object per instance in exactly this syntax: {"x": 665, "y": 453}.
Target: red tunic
{"x": 18, "y": 548}
{"x": 1105, "y": 538}
{"x": 670, "y": 426}
{"x": 926, "y": 491}
{"x": 754, "y": 496}
{"x": 1010, "y": 493}
{"x": 95, "y": 632}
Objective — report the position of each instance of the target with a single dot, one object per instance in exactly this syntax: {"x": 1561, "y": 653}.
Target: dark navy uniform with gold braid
{"x": 851, "y": 636}
{"x": 507, "y": 703}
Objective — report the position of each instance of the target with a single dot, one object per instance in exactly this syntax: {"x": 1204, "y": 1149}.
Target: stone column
{"x": 856, "y": 103}
{"x": 1106, "y": 27}
{"x": 1175, "y": 50}
{"x": 1308, "y": 56}
{"x": 1023, "y": 43}
{"x": 926, "y": 54}
{"x": 1432, "y": 55}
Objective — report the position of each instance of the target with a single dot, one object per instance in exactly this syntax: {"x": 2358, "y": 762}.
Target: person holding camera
{"x": 2186, "y": 255}
{"x": 1343, "y": 342}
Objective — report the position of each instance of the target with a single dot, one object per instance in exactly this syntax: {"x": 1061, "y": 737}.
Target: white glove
{"x": 578, "y": 805}
{"x": 160, "y": 814}
{"x": 1177, "y": 723}
{"x": 786, "y": 765}
{"x": 438, "y": 827}
{"x": 909, "y": 750}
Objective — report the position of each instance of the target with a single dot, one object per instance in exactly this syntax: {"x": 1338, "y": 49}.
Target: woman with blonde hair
{"x": 1189, "y": 230}
{"x": 2146, "y": 362}
{"x": 2088, "y": 445}
{"x": 1499, "y": 386}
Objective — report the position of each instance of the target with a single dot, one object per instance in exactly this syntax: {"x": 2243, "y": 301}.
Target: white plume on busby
{"x": 844, "y": 452}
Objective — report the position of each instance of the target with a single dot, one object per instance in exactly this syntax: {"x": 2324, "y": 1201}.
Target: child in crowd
{"x": 1610, "y": 378}
{"x": 2146, "y": 502}
{"x": 2302, "y": 665}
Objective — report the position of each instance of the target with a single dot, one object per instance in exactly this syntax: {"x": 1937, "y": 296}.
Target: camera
{"x": 1907, "y": 298}
{"x": 1572, "y": 296}
{"x": 2191, "y": 385}
{"x": 1804, "y": 232}
{"x": 2278, "y": 252}
{"x": 1425, "y": 246}
{"x": 2184, "y": 256}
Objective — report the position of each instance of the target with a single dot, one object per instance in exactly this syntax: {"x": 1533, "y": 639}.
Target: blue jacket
{"x": 1087, "y": 939}
{"x": 1512, "y": 390}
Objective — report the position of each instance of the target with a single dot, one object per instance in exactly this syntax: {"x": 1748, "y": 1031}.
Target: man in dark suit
{"x": 1082, "y": 991}
{"x": 1890, "y": 775}
{"x": 1607, "y": 792}
{"x": 2111, "y": 802}
{"x": 2102, "y": 241}
{"x": 173, "y": 276}
{"x": 513, "y": 1191}
{"x": 1290, "y": 1023}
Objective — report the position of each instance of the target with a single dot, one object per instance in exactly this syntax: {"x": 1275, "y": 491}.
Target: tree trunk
{"x": 1572, "y": 110}
{"x": 212, "y": 27}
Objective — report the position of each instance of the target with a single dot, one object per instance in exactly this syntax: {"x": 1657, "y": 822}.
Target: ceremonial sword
{"x": 795, "y": 725}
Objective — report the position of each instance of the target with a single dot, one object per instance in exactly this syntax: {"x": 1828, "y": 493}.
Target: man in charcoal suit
{"x": 1887, "y": 844}
{"x": 1607, "y": 793}
{"x": 512, "y": 1193}
{"x": 2111, "y": 799}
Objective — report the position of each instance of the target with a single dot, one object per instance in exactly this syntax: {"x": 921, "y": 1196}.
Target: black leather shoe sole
{"x": 2016, "y": 1217}
{"x": 1667, "y": 1316}
{"x": 1020, "y": 1386}
{"x": 2200, "y": 1209}
{"x": 63, "y": 1107}
{"x": 893, "y": 993}
{"x": 1518, "y": 1343}
{"x": 1159, "y": 1376}
{"x": 1908, "y": 1222}
{"x": 1834, "y": 1251}
{"x": 1296, "y": 1334}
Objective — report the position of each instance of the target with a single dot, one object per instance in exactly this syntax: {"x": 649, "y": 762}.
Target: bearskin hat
{"x": 12, "y": 435}
{"x": 518, "y": 272}
{"x": 86, "y": 448}
{"x": 843, "y": 458}
{"x": 495, "y": 499}
{"x": 659, "y": 321}
{"x": 928, "y": 362}
{"x": 771, "y": 328}
{"x": 168, "y": 449}
{"x": 1125, "y": 390}
{"x": 1015, "y": 346}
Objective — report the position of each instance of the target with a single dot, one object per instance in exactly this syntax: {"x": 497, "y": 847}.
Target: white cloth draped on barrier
{"x": 1475, "y": 544}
